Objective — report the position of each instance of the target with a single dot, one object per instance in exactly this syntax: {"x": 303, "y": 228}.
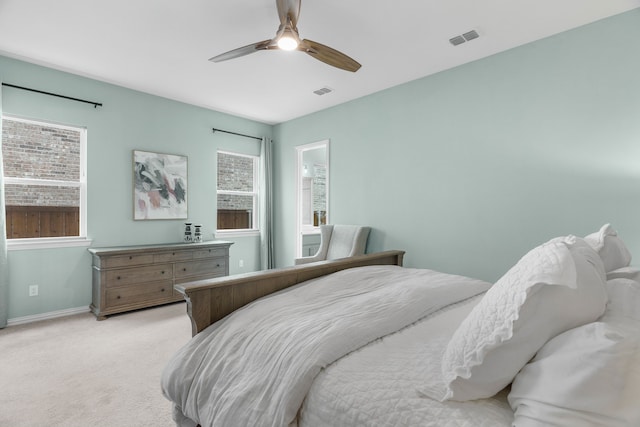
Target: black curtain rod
{"x": 95, "y": 104}
{"x": 234, "y": 133}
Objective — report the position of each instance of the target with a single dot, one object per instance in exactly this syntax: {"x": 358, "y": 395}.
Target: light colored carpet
{"x": 76, "y": 371}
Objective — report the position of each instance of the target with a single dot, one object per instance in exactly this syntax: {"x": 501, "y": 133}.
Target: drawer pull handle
{"x": 162, "y": 271}
{"x": 217, "y": 265}
{"x": 162, "y": 290}
{"x": 184, "y": 269}
{"x": 118, "y": 297}
{"x": 118, "y": 277}
{"x": 131, "y": 257}
{"x": 173, "y": 253}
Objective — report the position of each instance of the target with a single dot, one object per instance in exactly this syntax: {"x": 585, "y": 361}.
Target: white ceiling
{"x": 162, "y": 47}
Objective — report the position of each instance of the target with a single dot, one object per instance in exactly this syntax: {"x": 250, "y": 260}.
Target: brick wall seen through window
{"x": 237, "y": 191}
{"x": 43, "y": 178}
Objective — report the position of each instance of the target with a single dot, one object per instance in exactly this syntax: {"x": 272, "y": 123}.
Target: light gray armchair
{"x": 339, "y": 241}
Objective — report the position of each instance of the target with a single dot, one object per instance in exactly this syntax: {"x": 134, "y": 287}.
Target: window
{"x": 45, "y": 180}
{"x": 237, "y": 192}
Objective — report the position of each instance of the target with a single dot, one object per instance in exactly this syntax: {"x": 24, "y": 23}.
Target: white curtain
{"x": 4, "y": 265}
{"x": 266, "y": 205}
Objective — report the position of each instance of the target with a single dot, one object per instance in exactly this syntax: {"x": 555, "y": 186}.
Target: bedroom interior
{"x": 464, "y": 169}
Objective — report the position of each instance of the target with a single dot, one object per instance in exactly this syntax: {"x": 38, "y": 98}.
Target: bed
{"x": 366, "y": 342}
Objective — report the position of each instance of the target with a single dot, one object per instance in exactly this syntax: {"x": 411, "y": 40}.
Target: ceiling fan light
{"x": 286, "y": 42}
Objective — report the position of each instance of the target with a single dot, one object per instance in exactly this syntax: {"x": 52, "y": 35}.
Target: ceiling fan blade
{"x": 242, "y": 51}
{"x": 290, "y": 8}
{"x": 329, "y": 55}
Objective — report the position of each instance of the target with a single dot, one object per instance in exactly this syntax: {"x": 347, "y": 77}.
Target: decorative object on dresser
{"x": 132, "y": 277}
{"x": 188, "y": 235}
{"x": 197, "y": 233}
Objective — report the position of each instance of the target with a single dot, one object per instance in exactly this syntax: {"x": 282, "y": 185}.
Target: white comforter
{"x": 254, "y": 367}
{"x": 378, "y": 385}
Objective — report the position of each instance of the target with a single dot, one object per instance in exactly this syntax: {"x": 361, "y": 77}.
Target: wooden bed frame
{"x": 210, "y": 300}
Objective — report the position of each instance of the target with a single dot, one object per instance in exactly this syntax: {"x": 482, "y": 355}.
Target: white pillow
{"x": 610, "y": 247}
{"x": 587, "y": 376}
{"x": 555, "y": 287}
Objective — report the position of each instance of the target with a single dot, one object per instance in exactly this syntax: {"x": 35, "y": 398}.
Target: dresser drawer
{"x": 209, "y": 253}
{"x": 127, "y": 295}
{"x": 125, "y": 260}
{"x": 213, "y": 267}
{"x": 131, "y": 276}
{"x": 172, "y": 256}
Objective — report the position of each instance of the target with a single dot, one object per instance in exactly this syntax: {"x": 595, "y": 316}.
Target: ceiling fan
{"x": 287, "y": 38}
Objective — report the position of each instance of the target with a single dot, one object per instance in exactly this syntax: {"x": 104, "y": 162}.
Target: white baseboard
{"x": 47, "y": 316}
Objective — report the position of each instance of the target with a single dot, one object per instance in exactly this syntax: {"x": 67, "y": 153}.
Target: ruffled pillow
{"x": 588, "y": 376}
{"x": 610, "y": 247}
{"x": 555, "y": 287}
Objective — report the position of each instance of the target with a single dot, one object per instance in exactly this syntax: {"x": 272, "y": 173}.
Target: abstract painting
{"x": 159, "y": 186}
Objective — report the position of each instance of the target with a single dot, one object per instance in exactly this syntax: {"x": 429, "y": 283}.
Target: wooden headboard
{"x": 210, "y": 300}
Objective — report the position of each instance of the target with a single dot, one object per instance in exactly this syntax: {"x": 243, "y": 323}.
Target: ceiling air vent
{"x": 464, "y": 38}
{"x": 323, "y": 90}
{"x": 457, "y": 40}
{"x": 470, "y": 35}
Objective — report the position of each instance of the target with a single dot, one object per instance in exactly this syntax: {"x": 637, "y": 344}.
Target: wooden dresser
{"x": 131, "y": 277}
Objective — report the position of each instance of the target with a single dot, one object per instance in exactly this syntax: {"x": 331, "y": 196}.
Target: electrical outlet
{"x": 241, "y": 263}
{"x": 33, "y": 290}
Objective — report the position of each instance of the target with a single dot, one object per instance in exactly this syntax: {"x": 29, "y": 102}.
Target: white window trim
{"x": 243, "y": 232}
{"x": 56, "y": 242}
{"x": 302, "y": 228}
{"x": 47, "y": 243}
{"x": 42, "y": 182}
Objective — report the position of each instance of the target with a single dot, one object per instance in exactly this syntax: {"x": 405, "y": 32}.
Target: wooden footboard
{"x": 210, "y": 300}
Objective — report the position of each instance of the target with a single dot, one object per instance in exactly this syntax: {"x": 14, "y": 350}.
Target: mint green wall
{"x": 468, "y": 169}
{"x": 128, "y": 120}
